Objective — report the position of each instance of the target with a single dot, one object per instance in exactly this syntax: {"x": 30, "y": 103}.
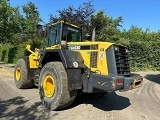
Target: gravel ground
{"x": 139, "y": 104}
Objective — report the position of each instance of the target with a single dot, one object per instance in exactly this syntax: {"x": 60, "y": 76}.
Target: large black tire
{"x": 20, "y": 75}
{"x": 62, "y": 97}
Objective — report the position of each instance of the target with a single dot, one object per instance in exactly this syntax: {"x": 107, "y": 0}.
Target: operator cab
{"x": 60, "y": 33}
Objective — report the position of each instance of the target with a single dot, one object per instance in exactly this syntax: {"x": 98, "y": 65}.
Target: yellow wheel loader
{"x": 68, "y": 65}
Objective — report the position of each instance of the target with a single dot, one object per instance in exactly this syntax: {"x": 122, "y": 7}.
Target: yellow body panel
{"x": 33, "y": 57}
{"x": 101, "y": 56}
{"x": 33, "y": 61}
{"x": 101, "y": 65}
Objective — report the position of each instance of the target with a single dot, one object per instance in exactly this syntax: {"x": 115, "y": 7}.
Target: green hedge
{"x": 5, "y": 51}
{"x": 10, "y": 53}
{"x": 143, "y": 55}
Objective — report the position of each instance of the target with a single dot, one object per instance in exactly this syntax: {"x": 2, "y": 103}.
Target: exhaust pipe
{"x": 93, "y": 34}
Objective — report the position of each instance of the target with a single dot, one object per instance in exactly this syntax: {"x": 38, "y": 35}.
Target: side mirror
{"x": 87, "y": 36}
{"x": 42, "y": 30}
{"x": 39, "y": 28}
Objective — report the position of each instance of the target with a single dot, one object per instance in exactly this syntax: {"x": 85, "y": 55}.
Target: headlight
{"x": 116, "y": 48}
{"x": 75, "y": 64}
{"x": 63, "y": 42}
{"x": 126, "y": 50}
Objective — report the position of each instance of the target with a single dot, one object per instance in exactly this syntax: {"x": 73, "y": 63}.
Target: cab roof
{"x": 62, "y": 21}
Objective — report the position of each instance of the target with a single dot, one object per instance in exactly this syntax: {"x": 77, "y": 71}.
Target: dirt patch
{"x": 7, "y": 69}
{"x": 7, "y": 72}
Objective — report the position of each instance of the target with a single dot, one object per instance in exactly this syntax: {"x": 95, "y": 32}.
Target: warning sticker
{"x": 101, "y": 55}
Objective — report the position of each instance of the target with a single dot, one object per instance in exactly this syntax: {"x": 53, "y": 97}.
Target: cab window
{"x": 53, "y": 35}
{"x": 71, "y": 34}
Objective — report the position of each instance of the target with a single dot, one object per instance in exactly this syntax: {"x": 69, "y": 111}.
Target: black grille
{"x": 93, "y": 59}
{"x": 94, "y": 47}
{"x": 122, "y": 63}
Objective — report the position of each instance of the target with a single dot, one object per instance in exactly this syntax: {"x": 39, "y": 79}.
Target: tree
{"x": 79, "y": 16}
{"x": 9, "y": 22}
{"x": 31, "y": 19}
{"x": 13, "y": 26}
{"x": 106, "y": 27}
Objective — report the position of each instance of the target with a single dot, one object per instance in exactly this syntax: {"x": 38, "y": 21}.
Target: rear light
{"x": 119, "y": 81}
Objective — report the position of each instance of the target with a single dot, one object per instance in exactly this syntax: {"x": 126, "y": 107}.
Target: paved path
{"x": 138, "y": 104}
{"x": 19, "y": 105}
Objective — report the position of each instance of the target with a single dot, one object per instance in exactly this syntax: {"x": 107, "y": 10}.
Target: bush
{"x": 35, "y": 43}
{"x": 10, "y": 53}
{"x": 143, "y": 55}
{"x": 4, "y": 51}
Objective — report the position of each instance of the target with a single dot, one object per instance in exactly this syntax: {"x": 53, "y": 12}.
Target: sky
{"x": 141, "y": 13}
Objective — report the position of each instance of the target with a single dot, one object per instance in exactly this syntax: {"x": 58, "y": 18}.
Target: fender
{"x": 67, "y": 57}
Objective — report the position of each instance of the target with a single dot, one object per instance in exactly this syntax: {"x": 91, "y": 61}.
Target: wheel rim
{"x": 49, "y": 86}
{"x": 18, "y": 74}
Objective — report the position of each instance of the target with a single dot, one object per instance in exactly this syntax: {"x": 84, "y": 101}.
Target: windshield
{"x": 71, "y": 34}
{"x": 54, "y": 35}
